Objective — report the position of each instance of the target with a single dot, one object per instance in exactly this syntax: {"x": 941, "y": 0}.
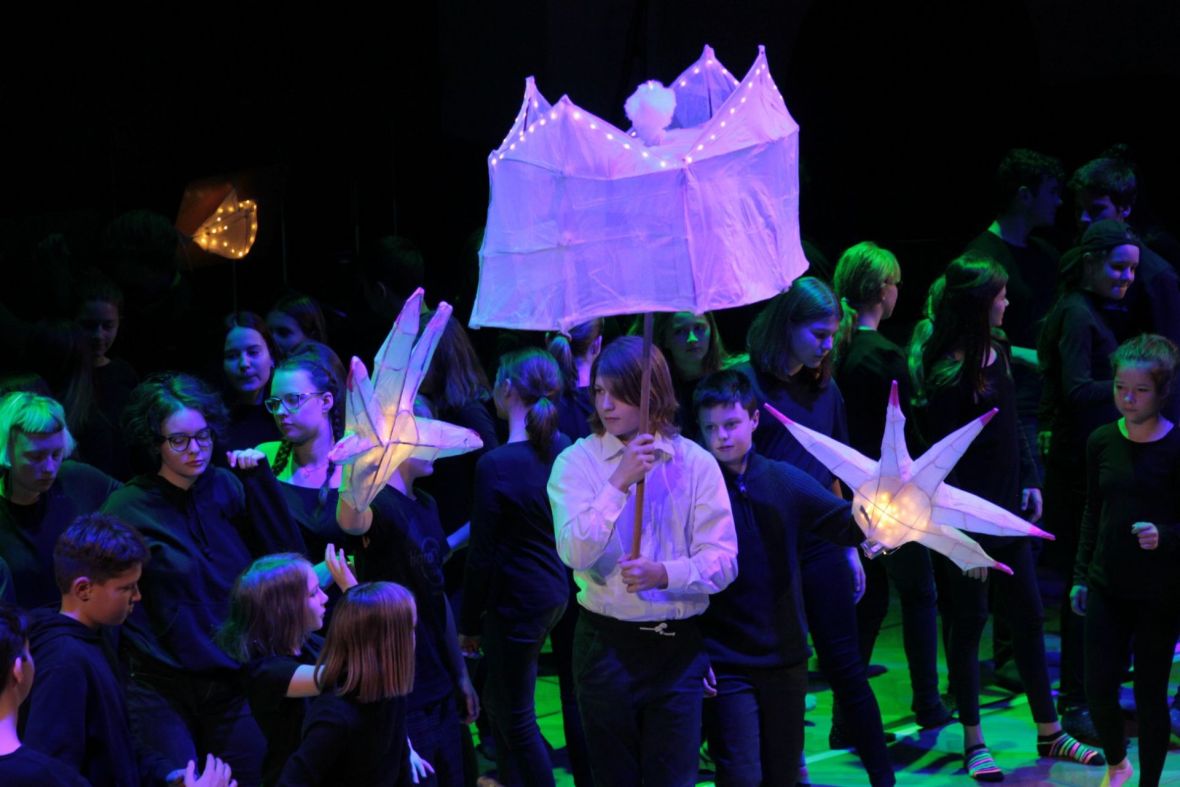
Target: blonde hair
{"x": 369, "y": 651}
{"x": 32, "y": 414}
{"x": 861, "y": 275}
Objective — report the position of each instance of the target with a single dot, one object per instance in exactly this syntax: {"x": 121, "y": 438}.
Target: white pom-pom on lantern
{"x": 650, "y": 109}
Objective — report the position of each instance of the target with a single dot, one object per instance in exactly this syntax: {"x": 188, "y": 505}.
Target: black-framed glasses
{"x": 180, "y": 441}
{"x": 292, "y": 401}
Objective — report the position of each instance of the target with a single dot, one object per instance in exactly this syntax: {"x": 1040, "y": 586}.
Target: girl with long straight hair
{"x": 962, "y": 371}
{"x": 790, "y": 367}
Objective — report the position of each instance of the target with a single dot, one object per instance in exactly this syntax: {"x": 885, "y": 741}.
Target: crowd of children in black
{"x": 171, "y": 550}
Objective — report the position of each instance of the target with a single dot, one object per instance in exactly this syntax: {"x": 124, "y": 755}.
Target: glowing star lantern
{"x": 381, "y": 430}
{"x": 898, "y": 499}
{"x": 587, "y": 220}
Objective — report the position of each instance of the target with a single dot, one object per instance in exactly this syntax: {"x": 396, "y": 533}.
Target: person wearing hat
{"x": 1074, "y": 350}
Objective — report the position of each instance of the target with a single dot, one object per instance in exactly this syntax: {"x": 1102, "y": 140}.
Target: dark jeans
{"x": 437, "y": 735}
{"x": 640, "y": 693}
{"x": 185, "y": 716}
{"x": 1113, "y": 626}
{"x": 1018, "y": 600}
{"x": 755, "y": 725}
{"x": 562, "y": 640}
{"x": 511, "y": 649}
{"x": 1065, "y": 496}
{"x": 831, "y": 619}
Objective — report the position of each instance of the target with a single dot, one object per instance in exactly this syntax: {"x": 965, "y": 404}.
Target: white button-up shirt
{"x": 687, "y": 527}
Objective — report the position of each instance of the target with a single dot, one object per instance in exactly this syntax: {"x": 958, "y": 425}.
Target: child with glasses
{"x": 203, "y": 525}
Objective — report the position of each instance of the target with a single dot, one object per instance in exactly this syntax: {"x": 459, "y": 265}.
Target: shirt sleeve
{"x": 712, "y": 560}
{"x": 1077, "y": 370}
{"x": 584, "y": 509}
{"x": 821, "y": 512}
{"x": 1092, "y": 513}
{"x": 485, "y": 527}
{"x": 265, "y": 521}
{"x": 269, "y": 678}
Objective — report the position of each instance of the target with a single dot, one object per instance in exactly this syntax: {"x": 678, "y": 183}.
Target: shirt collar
{"x": 611, "y": 446}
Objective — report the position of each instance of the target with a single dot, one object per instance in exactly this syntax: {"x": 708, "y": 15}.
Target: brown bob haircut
{"x": 369, "y": 652}
{"x": 622, "y": 364}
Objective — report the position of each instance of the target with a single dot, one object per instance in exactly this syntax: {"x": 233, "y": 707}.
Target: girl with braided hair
{"x": 308, "y": 407}
{"x": 515, "y": 586}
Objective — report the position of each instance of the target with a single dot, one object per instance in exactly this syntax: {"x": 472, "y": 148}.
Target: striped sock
{"x": 981, "y": 766}
{"x": 1063, "y": 746}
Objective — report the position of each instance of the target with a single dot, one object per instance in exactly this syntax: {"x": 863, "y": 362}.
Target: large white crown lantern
{"x": 586, "y": 220}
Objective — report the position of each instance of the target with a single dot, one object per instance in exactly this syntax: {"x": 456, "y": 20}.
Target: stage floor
{"x": 930, "y": 758}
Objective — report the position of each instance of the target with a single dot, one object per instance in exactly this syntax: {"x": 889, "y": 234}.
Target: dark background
{"x": 348, "y": 127}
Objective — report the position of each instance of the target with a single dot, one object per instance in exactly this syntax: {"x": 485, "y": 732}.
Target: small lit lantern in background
{"x": 231, "y": 230}
{"x": 217, "y": 220}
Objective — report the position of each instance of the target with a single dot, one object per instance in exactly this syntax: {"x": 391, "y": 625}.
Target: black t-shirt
{"x": 350, "y": 744}
{"x": 407, "y": 545}
{"x": 280, "y": 717}
{"x": 1032, "y": 282}
{"x": 865, "y": 372}
{"x": 28, "y": 768}
{"x": 1129, "y": 482}
{"x": 249, "y": 425}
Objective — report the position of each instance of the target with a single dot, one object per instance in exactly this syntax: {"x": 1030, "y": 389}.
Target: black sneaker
{"x": 837, "y": 739}
{"x": 1077, "y": 722}
{"x": 937, "y": 716}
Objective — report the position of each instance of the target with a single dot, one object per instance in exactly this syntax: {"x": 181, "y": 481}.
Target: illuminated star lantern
{"x": 898, "y": 499}
{"x": 381, "y": 430}
{"x": 588, "y": 220}
{"x": 230, "y": 230}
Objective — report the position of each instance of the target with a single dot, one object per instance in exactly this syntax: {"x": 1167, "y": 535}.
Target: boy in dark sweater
{"x": 22, "y": 766}
{"x": 77, "y": 714}
{"x": 755, "y": 630}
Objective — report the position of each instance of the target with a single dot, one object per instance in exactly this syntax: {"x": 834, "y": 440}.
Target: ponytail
{"x": 536, "y": 378}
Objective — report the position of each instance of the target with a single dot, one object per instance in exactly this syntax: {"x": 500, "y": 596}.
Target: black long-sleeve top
{"x": 999, "y": 463}
{"x": 28, "y": 533}
{"x": 512, "y": 565}
{"x": 758, "y": 621}
{"x": 1074, "y": 354}
{"x": 350, "y": 744}
{"x": 865, "y": 372}
{"x": 200, "y": 540}
{"x": 1129, "y": 482}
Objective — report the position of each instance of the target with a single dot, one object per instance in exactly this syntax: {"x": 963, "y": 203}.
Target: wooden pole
{"x": 644, "y": 396}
